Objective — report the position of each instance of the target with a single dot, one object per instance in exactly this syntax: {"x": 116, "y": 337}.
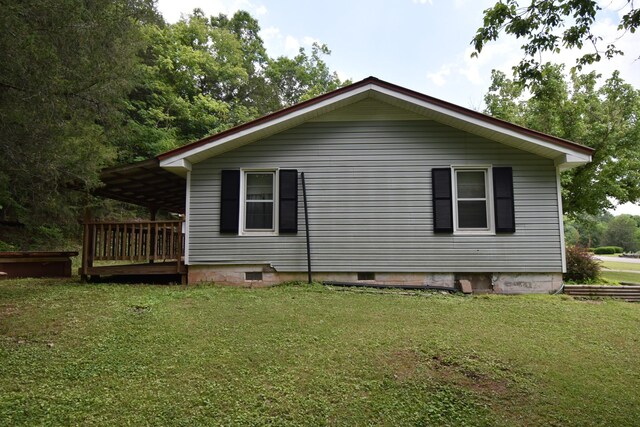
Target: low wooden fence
{"x": 627, "y": 293}
{"x": 148, "y": 242}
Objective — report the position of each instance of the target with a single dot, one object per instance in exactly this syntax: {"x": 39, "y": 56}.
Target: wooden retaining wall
{"x": 627, "y": 293}
{"x": 36, "y": 264}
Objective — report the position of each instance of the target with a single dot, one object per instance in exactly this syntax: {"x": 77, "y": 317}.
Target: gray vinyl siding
{"x": 370, "y": 209}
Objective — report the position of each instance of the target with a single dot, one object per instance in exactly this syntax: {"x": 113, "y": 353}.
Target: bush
{"x": 608, "y": 250}
{"x": 6, "y": 247}
{"x": 582, "y": 267}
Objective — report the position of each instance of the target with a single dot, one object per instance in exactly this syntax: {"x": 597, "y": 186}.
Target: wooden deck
{"x": 134, "y": 269}
{"x": 133, "y": 249}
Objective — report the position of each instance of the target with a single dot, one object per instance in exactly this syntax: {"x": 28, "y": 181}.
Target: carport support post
{"x": 87, "y": 244}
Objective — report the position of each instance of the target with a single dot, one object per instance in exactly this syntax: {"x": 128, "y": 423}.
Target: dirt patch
{"x": 409, "y": 365}
{"x": 406, "y": 363}
{"x": 140, "y": 309}
{"x": 466, "y": 376}
{"x": 8, "y": 310}
{"x": 589, "y": 300}
{"x": 20, "y": 341}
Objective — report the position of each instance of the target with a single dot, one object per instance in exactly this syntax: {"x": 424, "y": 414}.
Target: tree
{"x": 303, "y": 76}
{"x": 89, "y": 84}
{"x": 623, "y": 231}
{"x": 203, "y": 75}
{"x": 604, "y": 118}
{"x": 191, "y": 72}
{"x": 586, "y": 230}
{"x": 66, "y": 67}
{"x": 549, "y": 26}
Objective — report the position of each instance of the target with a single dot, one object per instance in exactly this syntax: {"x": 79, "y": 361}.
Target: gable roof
{"x": 566, "y": 154}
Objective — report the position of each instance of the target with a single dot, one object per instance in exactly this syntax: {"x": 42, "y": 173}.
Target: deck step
{"x": 627, "y": 293}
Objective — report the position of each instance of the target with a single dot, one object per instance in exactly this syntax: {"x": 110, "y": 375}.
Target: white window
{"x": 472, "y": 200}
{"x": 258, "y": 209}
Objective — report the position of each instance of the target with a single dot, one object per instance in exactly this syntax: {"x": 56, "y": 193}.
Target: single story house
{"x": 399, "y": 188}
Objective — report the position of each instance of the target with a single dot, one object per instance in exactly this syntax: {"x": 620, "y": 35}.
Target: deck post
{"x": 85, "y": 253}
{"x": 87, "y": 245}
{"x": 152, "y": 234}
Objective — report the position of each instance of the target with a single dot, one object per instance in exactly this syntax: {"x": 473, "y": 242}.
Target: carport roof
{"x": 146, "y": 184}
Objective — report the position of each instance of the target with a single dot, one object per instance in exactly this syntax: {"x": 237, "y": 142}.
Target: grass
{"x": 613, "y": 265}
{"x": 306, "y": 355}
{"x": 618, "y": 276}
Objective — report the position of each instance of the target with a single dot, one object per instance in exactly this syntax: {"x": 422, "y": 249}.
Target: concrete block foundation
{"x": 258, "y": 275}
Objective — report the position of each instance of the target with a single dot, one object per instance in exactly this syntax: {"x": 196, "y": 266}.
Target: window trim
{"x": 242, "y": 230}
{"x": 488, "y": 174}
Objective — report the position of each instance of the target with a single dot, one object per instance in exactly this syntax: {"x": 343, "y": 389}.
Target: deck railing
{"x": 144, "y": 241}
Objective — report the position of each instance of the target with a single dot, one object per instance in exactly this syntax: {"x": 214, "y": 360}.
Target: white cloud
{"x": 172, "y": 10}
{"x": 627, "y": 208}
{"x": 309, "y": 41}
{"x": 423, "y": 1}
{"x": 271, "y": 33}
{"x": 291, "y": 45}
{"x": 504, "y": 53}
{"x": 438, "y": 78}
{"x": 278, "y": 44}
{"x": 619, "y": 7}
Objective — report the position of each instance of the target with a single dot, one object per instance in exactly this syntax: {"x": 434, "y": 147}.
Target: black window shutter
{"x": 503, "y": 200}
{"x": 442, "y": 208}
{"x": 288, "y": 199}
{"x": 230, "y": 201}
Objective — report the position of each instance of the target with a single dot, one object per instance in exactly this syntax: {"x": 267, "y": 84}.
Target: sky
{"x": 423, "y": 45}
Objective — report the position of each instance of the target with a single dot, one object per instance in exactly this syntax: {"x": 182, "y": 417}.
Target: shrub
{"x": 608, "y": 250}
{"x": 6, "y": 247}
{"x": 581, "y": 266}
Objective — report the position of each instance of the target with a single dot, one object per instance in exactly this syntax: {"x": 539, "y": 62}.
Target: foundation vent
{"x": 366, "y": 276}
{"x": 253, "y": 275}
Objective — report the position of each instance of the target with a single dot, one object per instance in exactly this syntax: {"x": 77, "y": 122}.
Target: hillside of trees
{"x": 591, "y": 231}
{"x": 86, "y": 85}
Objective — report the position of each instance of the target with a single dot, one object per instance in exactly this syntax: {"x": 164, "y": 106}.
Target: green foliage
{"x": 623, "y": 231}
{"x": 203, "y": 75}
{"x": 582, "y": 267}
{"x": 84, "y": 85}
{"x": 65, "y": 69}
{"x": 549, "y": 26}
{"x": 600, "y": 115}
{"x": 6, "y": 247}
{"x": 302, "y": 77}
{"x": 590, "y": 228}
{"x": 608, "y": 250}
{"x": 571, "y": 235}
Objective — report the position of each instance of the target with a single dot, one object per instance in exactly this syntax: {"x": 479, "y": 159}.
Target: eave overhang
{"x": 566, "y": 154}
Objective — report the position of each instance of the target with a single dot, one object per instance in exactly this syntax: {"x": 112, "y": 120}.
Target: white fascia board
{"x": 479, "y": 123}
{"x": 296, "y": 114}
{"x": 179, "y": 167}
{"x": 566, "y": 162}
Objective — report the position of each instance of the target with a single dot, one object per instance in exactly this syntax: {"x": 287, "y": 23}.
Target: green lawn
{"x": 75, "y": 354}
{"x": 619, "y": 265}
{"x": 620, "y": 276}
